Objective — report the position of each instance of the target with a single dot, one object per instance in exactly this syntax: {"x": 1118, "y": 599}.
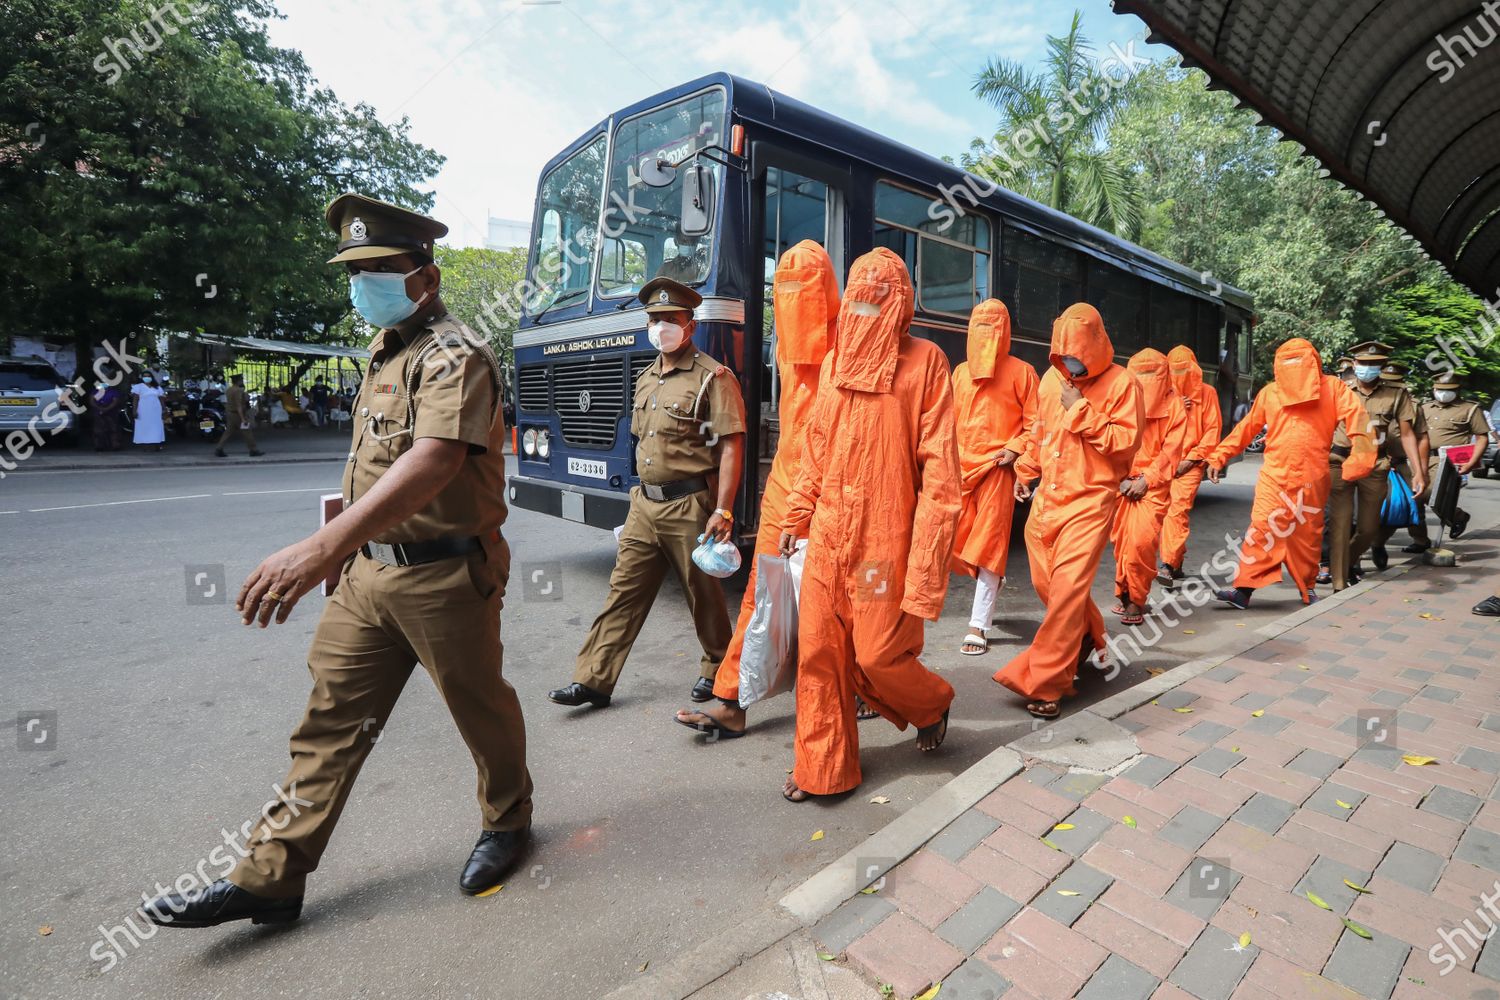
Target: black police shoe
{"x": 495, "y": 854}
{"x": 1489, "y": 607}
{"x": 577, "y": 694}
{"x": 703, "y": 690}
{"x": 219, "y": 903}
{"x": 1379, "y": 556}
{"x": 1460, "y": 524}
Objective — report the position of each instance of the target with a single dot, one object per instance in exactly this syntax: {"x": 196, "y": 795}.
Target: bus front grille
{"x": 533, "y": 388}
{"x": 590, "y": 396}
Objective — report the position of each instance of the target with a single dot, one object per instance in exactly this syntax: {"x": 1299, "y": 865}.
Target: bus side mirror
{"x": 697, "y": 200}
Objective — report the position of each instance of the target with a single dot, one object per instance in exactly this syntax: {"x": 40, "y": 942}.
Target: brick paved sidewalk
{"x": 1277, "y": 774}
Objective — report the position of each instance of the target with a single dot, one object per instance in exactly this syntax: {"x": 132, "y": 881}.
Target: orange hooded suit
{"x": 1081, "y": 453}
{"x": 877, "y": 498}
{"x": 994, "y": 402}
{"x": 1137, "y": 524}
{"x": 806, "y": 306}
{"x": 1299, "y": 411}
{"x": 1204, "y": 425}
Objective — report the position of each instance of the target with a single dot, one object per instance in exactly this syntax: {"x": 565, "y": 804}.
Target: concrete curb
{"x": 700, "y": 965}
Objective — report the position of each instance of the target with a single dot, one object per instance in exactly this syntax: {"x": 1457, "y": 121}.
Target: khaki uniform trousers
{"x": 1353, "y": 523}
{"x": 380, "y": 622}
{"x": 656, "y": 536}
{"x": 231, "y": 428}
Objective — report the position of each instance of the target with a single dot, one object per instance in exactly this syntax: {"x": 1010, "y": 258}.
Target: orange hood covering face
{"x": 1150, "y": 369}
{"x": 1079, "y": 332}
{"x": 1299, "y": 371}
{"x": 1187, "y": 376}
{"x": 874, "y": 317}
{"x": 806, "y": 305}
{"x": 989, "y": 337}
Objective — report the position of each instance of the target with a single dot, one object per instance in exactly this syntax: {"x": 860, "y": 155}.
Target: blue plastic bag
{"x": 1400, "y": 507}
{"x": 720, "y": 559}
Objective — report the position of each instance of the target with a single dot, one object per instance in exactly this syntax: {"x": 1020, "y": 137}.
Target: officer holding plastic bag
{"x": 688, "y": 419}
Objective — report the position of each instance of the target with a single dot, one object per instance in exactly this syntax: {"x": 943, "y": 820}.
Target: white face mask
{"x": 1444, "y": 395}
{"x": 665, "y": 336}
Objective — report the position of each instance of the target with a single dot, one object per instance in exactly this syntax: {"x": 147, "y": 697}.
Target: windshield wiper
{"x": 562, "y": 297}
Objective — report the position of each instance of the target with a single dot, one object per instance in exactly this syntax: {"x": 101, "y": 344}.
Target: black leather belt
{"x": 417, "y": 553}
{"x": 1338, "y": 452}
{"x": 661, "y": 492}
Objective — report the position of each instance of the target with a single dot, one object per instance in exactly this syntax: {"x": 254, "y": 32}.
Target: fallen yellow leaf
{"x": 1342, "y": 804}
{"x": 1356, "y": 888}
{"x": 490, "y": 891}
{"x": 1239, "y": 624}
{"x": 930, "y": 993}
{"x": 45, "y": 930}
{"x": 1425, "y": 614}
{"x": 1188, "y": 631}
{"x": 1234, "y": 749}
{"x": 1183, "y": 711}
{"x": 1316, "y": 901}
{"x": 881, "y": 800}
{"x": 1063, "y": 826}
{"x": 1258, "y": 712}
{"x": 1156, "y": 671}
{"x": 1303, "y": 666}
{"x": 642, "y": 966}
{"x": 1051, "y": 844}
{"x": 825, "y": 956}
{"x": 1245, "y": 940}
{"x": 817, "y": 836}
{"x": 1066, "y": 892}
{"x": 1356, "y": 928}
{"x": 1417, "y": 760}
{"x": 1129, "y": 821}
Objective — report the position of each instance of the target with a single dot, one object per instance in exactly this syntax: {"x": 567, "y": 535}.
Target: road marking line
{"x": 256, "y": 493}
{"x": 116, "y": 503}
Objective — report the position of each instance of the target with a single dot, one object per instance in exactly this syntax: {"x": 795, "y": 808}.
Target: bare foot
{"x": 791, "y": 792}
{"x": 730, "y": 717}
{"x": 931, "y": 737}
{"x": 863, "y": 711}
{"x": 1043, "y": 709}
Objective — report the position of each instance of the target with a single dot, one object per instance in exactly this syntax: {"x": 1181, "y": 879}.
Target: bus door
{"x": 794, "y": 198}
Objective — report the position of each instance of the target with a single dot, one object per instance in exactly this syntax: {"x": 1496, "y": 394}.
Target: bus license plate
{"x": 593, "y": 468}
{"x": 18, "y": 401}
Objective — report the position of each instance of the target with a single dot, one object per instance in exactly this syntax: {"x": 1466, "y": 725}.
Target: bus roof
{"x": 757, "y": 102}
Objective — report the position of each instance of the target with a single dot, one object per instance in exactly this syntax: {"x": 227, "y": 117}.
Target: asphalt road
{"x": 171, "y": 723}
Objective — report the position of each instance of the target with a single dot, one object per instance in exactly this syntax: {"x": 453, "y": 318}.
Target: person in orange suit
{"x": 1146, "y": 491}
{"x": 1088, "y": 427}
{"x": 877, "y": 498}
{"x": 994, "y": 402}
{"x": 805, "y": 302}
{"x": 1299, "y": 410}
{"x": 1204, "y": 425}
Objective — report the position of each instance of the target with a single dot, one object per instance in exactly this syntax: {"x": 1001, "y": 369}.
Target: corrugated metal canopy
{"x": 1398, "y": 99}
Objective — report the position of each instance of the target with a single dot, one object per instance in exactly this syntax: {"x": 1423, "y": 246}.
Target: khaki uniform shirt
{"x": 451, "y": 394}
{"x": 678, "y": 414}
{"x": 1386, "y": 405}
{"x": 236, "y": 405}
{"x": 1454, "y": 423}
{"x": 1392, "y": 448}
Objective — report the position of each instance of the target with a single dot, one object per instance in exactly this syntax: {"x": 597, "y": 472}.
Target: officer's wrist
{"x": 725, "y": 514}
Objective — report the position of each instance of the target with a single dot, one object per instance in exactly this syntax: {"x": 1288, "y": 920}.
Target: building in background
{"x": 508, "y": 234}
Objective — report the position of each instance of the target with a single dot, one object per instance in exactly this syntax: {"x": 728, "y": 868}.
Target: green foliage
{"x": 1049, "y": 142}
{"x": 481, "y": 287}
{"x": 1435, "y": 325}
{"x": 211, "y": 153}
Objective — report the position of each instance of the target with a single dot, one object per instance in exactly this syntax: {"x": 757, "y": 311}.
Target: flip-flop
{"x": 1138, "y": 619}
{"x": 940, "y": 727}
{"x": 1118, "y": 609}
{"x": 863, "y": 712}
{"x": 712, "y": 727}
{"x": 795, "y": 791}
{"x": 1036, "y": 709}
{"x": 974, "y": 639}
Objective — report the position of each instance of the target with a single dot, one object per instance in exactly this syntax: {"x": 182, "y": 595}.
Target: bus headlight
{"x": 543, "y": 445}
{"x": 528, "y": 441}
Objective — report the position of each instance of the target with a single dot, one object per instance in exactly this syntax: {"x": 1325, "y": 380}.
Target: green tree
{"x": 482, "y": 288}
{"x": 1434, "y": 325}
{"x": 163, "y": 170}
{"x": 1049, "y": 143}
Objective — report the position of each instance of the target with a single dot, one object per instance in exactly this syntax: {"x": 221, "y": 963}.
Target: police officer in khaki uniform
{"x": 423, "y": 506}
{"x": 1451, "y": 422}
{"x": 1394, "y": 373}
{"x": 1344, "y": 369}
{"x": 237, "y": 417}
{"x": 689, "y": 421}
{"x": 1391, "y": 412}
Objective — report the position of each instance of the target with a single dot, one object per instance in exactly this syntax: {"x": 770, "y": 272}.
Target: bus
{"x": 709, "y": 183}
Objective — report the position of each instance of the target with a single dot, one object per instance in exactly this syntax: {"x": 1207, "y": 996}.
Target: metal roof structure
{"x": 1397, "y": 99}
{"x": 278, "y": 346}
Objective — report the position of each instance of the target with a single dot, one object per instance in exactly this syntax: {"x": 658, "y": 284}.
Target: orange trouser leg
{"x": 727, "y": 682}
{"x": 1174, "y": 531}
{"x": 1063, "y": 563}
{"x": 1286, "y": 528}
{"x": 1136, "y": 527}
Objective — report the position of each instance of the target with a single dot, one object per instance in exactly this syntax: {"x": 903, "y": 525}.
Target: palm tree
{"x": 1049, "y": 143}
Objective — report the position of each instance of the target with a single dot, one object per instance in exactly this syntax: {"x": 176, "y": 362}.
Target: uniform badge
{"x": 357, "y": 229}
{"x": 662, "y": 297}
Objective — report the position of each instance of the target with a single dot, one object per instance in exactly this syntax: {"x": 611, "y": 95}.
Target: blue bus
{"x": 710, "y": 182}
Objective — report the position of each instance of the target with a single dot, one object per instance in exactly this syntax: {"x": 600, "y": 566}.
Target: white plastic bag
{"x": 720, "y": 559}
{"x": 768, "y": 661}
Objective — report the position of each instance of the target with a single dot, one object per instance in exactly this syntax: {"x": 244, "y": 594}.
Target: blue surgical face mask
{"x": 381, "y": 298}
{"x": 1075, "y": 368}
{"x": 1367, "y": 373}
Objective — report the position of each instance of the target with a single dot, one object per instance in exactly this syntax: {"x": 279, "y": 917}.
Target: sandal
{"x": 792, "y": 793}
{"x": 938, "y": 728}
{"x": 1118, "y": 609}
{"x": 974, "y": 638}
{"x": 1044, "y": 709}
{"x": 715, "y": 729}
{"x": 1133, "y": 619}
{"x": 863, "y": 712}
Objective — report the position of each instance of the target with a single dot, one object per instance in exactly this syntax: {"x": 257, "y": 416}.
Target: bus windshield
{"x": 642, "y": 235}
{"x": 568, "y": 210}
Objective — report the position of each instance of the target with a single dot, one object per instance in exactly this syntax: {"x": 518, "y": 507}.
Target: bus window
{"x": 796, "y": 210}
{"x": 951, "y": 271}
{"x": 642, "y": 224}
{"x": 1207, "y": 346}
{"x": 1120, "y": 298}
{"x": 1171, "y": 319}
{"x": 568, "y": 210}
{"x": 1039, "y": 280}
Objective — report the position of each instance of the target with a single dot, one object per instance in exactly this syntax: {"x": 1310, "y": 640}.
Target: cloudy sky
{"x": 499, "y": 87}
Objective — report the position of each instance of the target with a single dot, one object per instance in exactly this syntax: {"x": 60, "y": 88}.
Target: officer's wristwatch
{"x": 726, "y": 515}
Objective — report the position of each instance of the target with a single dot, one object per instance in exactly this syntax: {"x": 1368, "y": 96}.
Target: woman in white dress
{"x": 149, "y": 428}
